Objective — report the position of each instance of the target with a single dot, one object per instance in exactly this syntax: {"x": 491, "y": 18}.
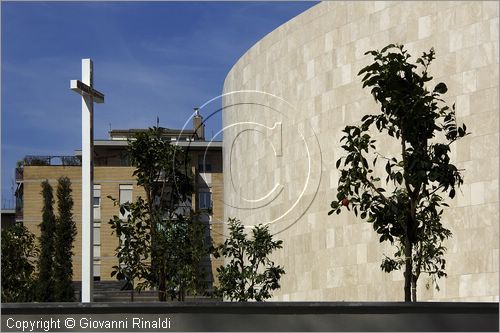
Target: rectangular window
{"x": 97, "y": 250}
{"x": 204, "y": 167}
{"x": 124, "y": 159}
{"x": 97, "y": 270}
{"x": 125, "y": 196}
{"x": 205, "y": 200}
{"x": 97, "y": 202}
{"x": 97, "y": 237}
{"x": 204, "y": 163}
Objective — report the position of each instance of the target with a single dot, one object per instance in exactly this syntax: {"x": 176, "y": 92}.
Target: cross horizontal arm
{"x": 83, "y": 89}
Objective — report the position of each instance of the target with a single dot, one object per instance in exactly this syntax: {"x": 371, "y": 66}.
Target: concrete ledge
{"x": 268, "y": 316}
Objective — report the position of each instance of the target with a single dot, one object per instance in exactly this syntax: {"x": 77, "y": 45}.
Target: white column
{"x": 87, "y": 186}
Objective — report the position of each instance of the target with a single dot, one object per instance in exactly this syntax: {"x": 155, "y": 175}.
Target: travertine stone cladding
{"x": 281, "y": 143}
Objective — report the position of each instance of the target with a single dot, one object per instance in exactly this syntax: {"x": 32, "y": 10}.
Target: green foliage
{"x": 410, "y": 216}
{"x": 183, "y": 249}
{"x": 250, "y": 274}
{"x": 184, "y": 239}
{"x": 45, "y": 286}
{"x": 134, "y": 249}
{"x": 162, "y": 239}
{"x": 162, "y": 170}
{"x": 64, "y": 235}
{"x": 18, "y": 264}
{"x": 55, "y": 265}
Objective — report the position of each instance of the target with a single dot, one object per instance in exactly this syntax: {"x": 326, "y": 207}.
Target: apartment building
{"x": 113, "y": 176}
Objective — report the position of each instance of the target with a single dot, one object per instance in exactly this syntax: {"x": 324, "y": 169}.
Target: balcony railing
{"x": 32, "y": 160}
{"x": 37, "y": 160}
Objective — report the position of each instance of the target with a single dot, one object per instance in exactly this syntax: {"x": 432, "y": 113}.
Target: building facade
{"x": 113, "y": 176}
{"x": 286, "y": 102}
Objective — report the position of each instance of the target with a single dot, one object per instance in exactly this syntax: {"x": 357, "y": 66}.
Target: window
{"x": 205, "y": 200}
{"x": 205, "y": 167}
{"x": 124, "y": 159}
{"x": 97, "y": 239}
{"x": 125, "y": 196}
{"x": 97, "y": 270}
{"x": 97, "y": 251}
{"x": 204, "y": 163}
{"x": 97, "y": 202}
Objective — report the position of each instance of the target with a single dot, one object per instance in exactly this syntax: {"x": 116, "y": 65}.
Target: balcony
{"x": 37, "y": 160}
{"x": 32, "y": 160}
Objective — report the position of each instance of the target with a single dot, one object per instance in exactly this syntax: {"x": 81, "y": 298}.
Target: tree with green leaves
{"x": 45, "y": 284}
{"x": 65, "y": 234}
{"x": 134, "y": 248}
{"x": 18, "y": 264}
{"x": 249, "y": 274}
{"x": 408, "y": 212}
{"x": 162, "y": 170}
{"x": 182, "y": 241}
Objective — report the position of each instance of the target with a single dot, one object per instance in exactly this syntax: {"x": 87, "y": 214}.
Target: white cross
{"x": 89, "y": 96}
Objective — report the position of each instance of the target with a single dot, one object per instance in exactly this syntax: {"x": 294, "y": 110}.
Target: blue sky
{"x": 150, "y": 59}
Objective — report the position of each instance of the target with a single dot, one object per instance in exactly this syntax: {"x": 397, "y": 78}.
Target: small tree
{"x": 172, "y": 262}
{"x": 409, "y": 217}
{"x": 250, "y": 274}
{"x": 65, "y": 236}
{"x": 184, "y": 239}
{"x": 161, "y": 169}
{"x": 18, "y": 264}
{"x": 134, "y": 248}
{"x": 45, "y": 284}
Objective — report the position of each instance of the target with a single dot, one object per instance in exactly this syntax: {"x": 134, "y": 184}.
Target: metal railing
{"x": 41, "y": 160}
{"x": 52, "y": 160}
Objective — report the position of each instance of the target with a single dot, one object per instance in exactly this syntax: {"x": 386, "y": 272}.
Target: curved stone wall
{"x": 287, "y": 100}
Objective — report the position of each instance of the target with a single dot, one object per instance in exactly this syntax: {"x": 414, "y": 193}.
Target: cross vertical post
{"x": 89, "y": 96}
{"x": 87, "y": 186}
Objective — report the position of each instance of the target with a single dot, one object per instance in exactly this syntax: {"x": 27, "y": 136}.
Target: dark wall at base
{"x": 269, "y": 316}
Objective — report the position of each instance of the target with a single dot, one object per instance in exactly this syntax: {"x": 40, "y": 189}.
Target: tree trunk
{"x": 414, "y": 288}
{"x": 182, "y": 293}
{"x": 411, "y": 230}
{"x": 408, "y": 271}
{"x": 162, "y": 295}
{"x": 242, "y": 280}
{"x": 132, "y": 292}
